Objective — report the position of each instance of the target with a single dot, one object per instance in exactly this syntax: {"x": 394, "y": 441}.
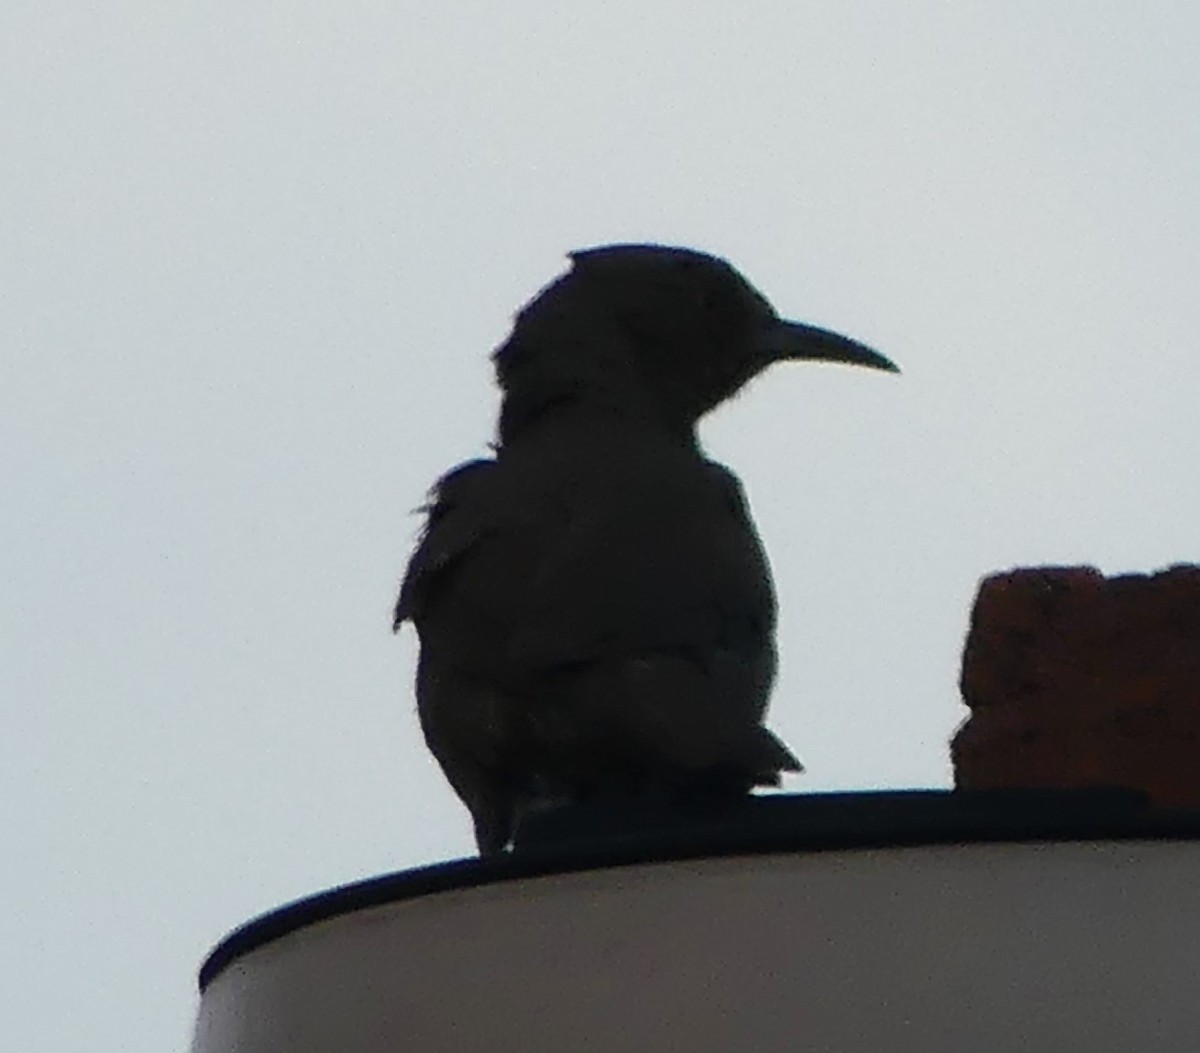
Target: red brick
{"x": 1074, "y": 679}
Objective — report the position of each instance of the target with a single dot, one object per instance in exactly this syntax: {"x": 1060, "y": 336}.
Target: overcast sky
{"x": 254, "y": 258}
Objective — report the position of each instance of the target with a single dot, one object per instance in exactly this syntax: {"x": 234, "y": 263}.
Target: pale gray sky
{"x": 254, "y": 258}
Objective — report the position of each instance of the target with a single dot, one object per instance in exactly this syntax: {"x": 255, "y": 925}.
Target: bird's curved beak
{"x": 795, "y": 340}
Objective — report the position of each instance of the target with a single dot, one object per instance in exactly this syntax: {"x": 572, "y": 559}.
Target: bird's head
{"x": 682, "y": 327}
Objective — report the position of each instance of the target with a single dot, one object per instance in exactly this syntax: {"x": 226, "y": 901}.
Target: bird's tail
{"x": 772, "y": 759}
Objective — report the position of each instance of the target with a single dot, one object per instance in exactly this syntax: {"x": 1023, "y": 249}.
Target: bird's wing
{"x": 450, "y": 532}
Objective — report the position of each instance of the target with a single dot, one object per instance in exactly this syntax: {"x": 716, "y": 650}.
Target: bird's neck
{"x": 568, "y": 369}
{"x": 525, "y": 413}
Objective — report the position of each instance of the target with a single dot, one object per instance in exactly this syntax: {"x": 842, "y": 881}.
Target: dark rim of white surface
{"x": 595, "y": 838}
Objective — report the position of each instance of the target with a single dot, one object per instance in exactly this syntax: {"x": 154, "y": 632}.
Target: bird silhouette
{"x": 595, "y": 610}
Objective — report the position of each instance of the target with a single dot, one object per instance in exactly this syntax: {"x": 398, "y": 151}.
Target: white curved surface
{"x": 981, "y": 947}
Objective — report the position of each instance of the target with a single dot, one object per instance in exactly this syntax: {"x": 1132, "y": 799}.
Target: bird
{"x": 594, "y": 608}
